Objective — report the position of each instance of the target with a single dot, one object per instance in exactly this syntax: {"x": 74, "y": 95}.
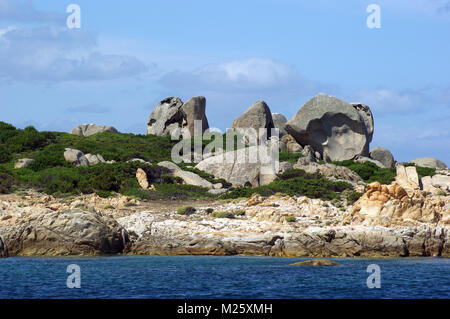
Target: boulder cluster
{"x": 325, "y": 128}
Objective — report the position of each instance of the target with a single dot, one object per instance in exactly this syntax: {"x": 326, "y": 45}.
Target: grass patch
{"x": 290, "y": 219}
{"x": 186, "y": 210}
{"x": 289, "y": 157}
{"x": 223, "y": 215}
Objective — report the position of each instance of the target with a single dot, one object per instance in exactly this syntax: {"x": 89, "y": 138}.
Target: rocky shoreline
{"x": 282, "y": 226}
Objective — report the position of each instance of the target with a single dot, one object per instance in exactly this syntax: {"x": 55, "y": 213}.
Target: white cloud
{"x": 390, "y": 101}
{"x": 255, "y": 75}
{"x": 24, "y": 11}
{"x": 42, "y": 50}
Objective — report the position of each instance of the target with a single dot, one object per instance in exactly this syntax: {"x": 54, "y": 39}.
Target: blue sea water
{"x": 207, "y": 277}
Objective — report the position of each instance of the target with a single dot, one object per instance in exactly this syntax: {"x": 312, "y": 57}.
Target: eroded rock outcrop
{"x": 257, "y": 116}
{"x": 91, "y": 129}
{"x": 77, "y": 231}
{"x": 247, "y": 166}
{"x": 172, "y": 114}
{"x": 330, "y": 171}
{"x": 390, "y": 205}
{"x": 336, "y": 129}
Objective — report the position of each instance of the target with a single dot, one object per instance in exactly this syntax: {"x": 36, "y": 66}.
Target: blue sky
{"x": 129, "y": 55}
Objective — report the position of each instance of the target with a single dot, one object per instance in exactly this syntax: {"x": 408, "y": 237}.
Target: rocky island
{"x": 96, "y": 191}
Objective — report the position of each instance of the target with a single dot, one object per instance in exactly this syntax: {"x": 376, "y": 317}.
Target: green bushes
{"x": 5, "y": 155}
{"x": 50, "y": 156}
{"x": 28, "y": 139}
{"x": 186, "y": 210}
{"x": 370, "y": 172}
{"x": 299, "y": 184}
{"x": 6, "y": 131}
{"x": 290, "y": 219}
{"x": 7, "y": 181}
{"x": 223, "y": 215}
{"x": 121, "y": 147}
{"x": 169, "y": 179}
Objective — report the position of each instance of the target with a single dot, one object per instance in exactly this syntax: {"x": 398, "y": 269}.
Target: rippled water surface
{"x": 221, "y": 277}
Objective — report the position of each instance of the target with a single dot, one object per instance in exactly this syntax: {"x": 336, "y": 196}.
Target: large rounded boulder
{"x": 336, "y": 129}
{"x": 255, "y": 117}
{"x": 430, "y": 162}
{"x": 382, "y": 155}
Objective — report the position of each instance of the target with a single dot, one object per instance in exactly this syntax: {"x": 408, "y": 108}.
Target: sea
{"x": 230, "y": 277}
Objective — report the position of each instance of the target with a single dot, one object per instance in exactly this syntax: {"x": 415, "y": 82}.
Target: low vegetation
{"x": 295, "y": 183}
{"x": 370, "y": 172}
{"x": 52, "y": 174}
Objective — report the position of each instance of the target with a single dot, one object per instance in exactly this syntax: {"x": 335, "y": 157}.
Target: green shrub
{"x": 186, "y": 210}
{"x": 441, "y": 193}
{"x": 313, "y": 186}
{"x": 6, "y": 132}
{"x": 169, "y": 179}
{"x": 7, "y": 182}
{"x": 290, "y": 219}
{"x": 28, "y": 139}
{"x": 104, "y": 194}
{"x": 238, "y": 212}
{"x": 370, "y": 172}
{"x": 5, "y": 155}
{"x": 50, "y": 156}
{"x": 223, "y": 215}
{"x": 351, "y": 196}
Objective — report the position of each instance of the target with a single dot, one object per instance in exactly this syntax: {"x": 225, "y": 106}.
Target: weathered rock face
{"x": 77, "y": 231}
{"x": 264, "y": 230}
{"x": 408, "y": 178}
{"x": 247, "y": 166}
{"x": 330, "y": 171}
{"x": 257, "y": 116}
{"x": 336, "y": 129}
{"x": 171, "y": 114}
{"x": 194, "y": 110}
{"x": 429, "y": 162}
{"x": 189, "y": 178}
{"x": 91, "y": 129}
{"x": 279, "y": 120}
{"x": 291, "y": 144}
{"x": 441, "y": 181}
{"x": 23, "y": 162}
{"x": 390, "y": 205}
{"x": 383, "y": 156}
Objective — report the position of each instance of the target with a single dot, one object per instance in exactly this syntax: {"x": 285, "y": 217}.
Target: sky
{"x": 129, "y": 55}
